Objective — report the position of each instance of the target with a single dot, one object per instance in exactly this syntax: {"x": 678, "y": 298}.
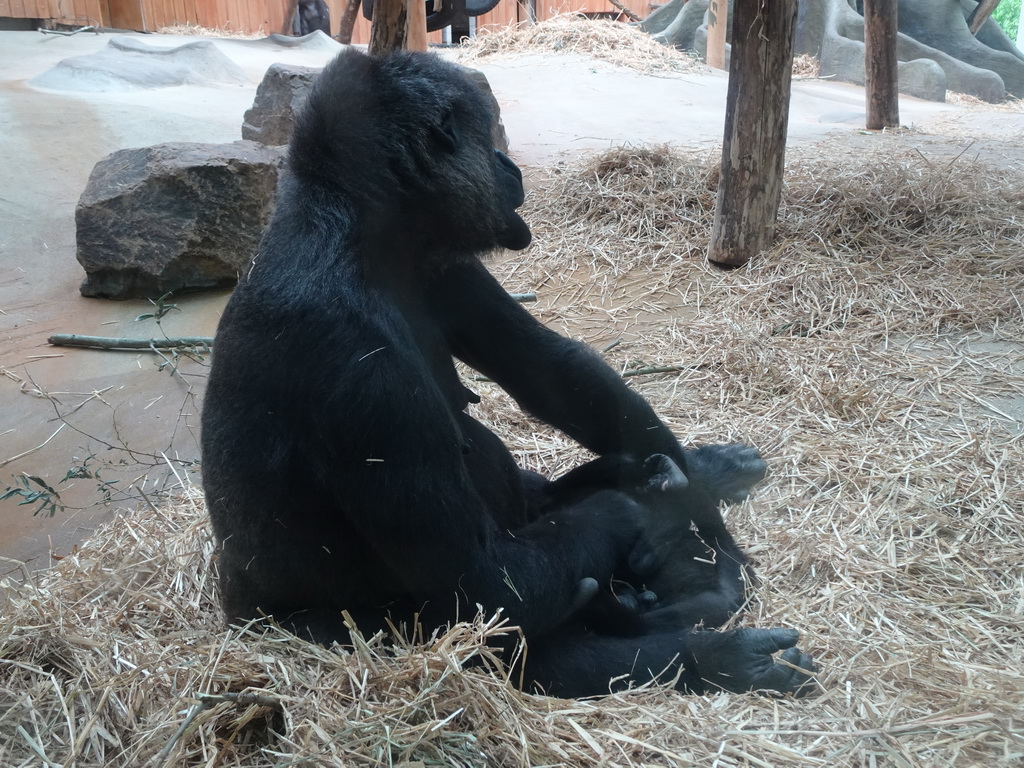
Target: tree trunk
{"x": 390, "y": 22}
{"x": 416, "y": 33}
{"x": 718, "y": 18}
{"x": 289, "y": 17}
{"x": 756, "y": 114}
{"x": 348, "y": 21}
{"x": 980, "y": 15}
{"x": 881, "y": 73}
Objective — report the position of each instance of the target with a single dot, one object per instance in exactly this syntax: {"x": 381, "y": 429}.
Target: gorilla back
{"x": 342, "y": 472}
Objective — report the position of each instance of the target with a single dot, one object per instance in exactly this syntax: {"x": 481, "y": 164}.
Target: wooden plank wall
{"x": 25, "y": 9}
{"x": 256, "y": 16}
{"x": 81, "y": 12}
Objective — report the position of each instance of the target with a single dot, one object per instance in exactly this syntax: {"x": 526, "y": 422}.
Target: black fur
{"x": 341, "y": 469}
{"x": 311, "y": 15}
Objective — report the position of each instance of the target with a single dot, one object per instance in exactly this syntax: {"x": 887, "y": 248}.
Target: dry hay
{"x": 873, "y": 355}
{"x": 612, "y": 41}
{"x": 973, "y": 102}
{"x": 806, "y": 66}
{"x": 195, "y": 30}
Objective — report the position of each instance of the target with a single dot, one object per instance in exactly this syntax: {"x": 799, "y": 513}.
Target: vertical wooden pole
{"x": 881, "y": 73}
{"x": 348, "y": 21}
{"x": 756, "y": 117}
{"x": 416, "y": 34}
{"x": 980, "y": 15}
{"x": 388, "y": 30}
{"x": 289, "y": 17}
{"x": 718, "y": 22}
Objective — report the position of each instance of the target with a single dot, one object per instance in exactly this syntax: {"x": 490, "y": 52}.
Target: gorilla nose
{"x": 511, "y": 167}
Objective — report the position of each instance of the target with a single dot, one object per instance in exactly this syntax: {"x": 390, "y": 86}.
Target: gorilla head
{"x": 407, "y": 137}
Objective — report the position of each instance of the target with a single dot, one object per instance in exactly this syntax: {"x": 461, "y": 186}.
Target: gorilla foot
{"x": 728, "y": 472}
{"x": 744, "y": 660}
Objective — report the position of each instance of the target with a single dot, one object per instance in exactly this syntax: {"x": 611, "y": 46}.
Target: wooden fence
{"x": 256, "y": 16}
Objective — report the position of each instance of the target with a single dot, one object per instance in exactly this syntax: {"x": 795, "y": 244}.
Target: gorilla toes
{"x": 648, "y": 600}
{"x": 727, "y": 472}
{"x": 634, "y": 599}
{"x": 665, "y": 475}
{"x": 744, "y": 660}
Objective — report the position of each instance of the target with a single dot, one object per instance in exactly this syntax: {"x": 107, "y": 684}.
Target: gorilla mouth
{"x": 517, "y": 234}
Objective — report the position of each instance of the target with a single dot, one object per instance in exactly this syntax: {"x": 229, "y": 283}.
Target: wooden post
{"x": 756, "y": 117}
{"x": 416, "y": 34}
{"x": 348, "y": 21}
{"x": 718, "y": 22}
{"x": 881, "y": 73}
{"x": 289, "y": 17}
{"x": 388, "y": 30}
{"x": 980, "y": 15}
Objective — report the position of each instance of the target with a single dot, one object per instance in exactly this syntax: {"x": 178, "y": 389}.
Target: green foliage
{"x": 162, "y": 308}
{"x": 1006, "y": 15}
{"x": 34, "y": 490}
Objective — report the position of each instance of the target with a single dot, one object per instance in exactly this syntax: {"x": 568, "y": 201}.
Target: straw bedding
{"x": 572, "y": 33}
{"x": 873, "y": 355}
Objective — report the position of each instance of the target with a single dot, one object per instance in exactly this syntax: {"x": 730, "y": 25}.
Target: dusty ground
{"x": 555, "y": 109}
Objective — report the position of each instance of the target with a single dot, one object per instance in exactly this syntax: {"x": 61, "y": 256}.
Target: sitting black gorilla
{"x": 342, "y": 471}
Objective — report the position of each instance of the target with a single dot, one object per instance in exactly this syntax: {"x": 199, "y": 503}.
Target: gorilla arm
{"x": 558, "y": 380}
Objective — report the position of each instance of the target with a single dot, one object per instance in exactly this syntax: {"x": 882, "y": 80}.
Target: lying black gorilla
{"x": 342, "y": 471}
{"x": 701, "y": 574}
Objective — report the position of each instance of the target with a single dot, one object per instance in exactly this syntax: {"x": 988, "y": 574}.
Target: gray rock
{"x": 942, "y": 25}
{"x": 174, "y": 217}
{"x": 681, "y": 31}
{"x": 284, "y": 89}
{"x": 922, "y": 78}
{"x": 498, "y": 135}
{"x": 841, "y": 55}
{"x": 935, "y": 49}
{"x": 659, "y": 19}
{"x": 280, "y": 94}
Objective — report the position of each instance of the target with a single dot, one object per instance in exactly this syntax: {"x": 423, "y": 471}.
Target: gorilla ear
{"x": 446, "y": 134}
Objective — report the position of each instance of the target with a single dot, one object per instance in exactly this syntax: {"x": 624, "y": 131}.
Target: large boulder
{"x": 280, "y": 95}
{"x": 680, "y": 32}
{"x": 935, "y": 48}
{"x": 174, "y": 217}
{"x": 833, "y": 30}
{"x": 284, "y": 89}
{"x": 498, "y": 135}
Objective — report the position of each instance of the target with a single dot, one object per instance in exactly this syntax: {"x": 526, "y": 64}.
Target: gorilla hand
{"x": 617, "y": 609}
{"x": 661, "y": 493}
